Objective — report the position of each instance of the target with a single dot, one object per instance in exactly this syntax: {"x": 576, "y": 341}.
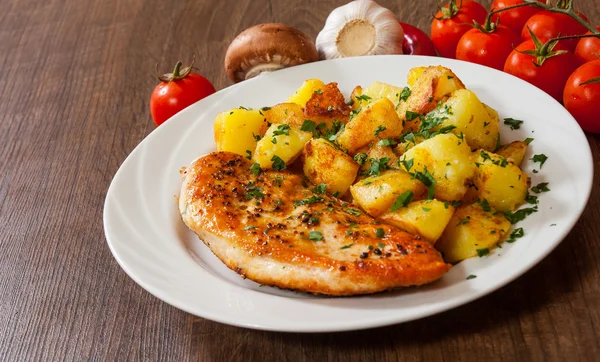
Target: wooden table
{"x": 75, "y": 82}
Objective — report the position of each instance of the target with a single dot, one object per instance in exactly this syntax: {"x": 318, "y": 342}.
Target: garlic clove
{"x": 361, "y": 27}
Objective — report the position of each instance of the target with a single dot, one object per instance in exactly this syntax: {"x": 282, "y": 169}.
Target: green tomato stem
{"x": 177, "y": 69}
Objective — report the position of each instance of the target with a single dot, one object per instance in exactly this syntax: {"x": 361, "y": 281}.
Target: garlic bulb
{"x": 361, "y": 27}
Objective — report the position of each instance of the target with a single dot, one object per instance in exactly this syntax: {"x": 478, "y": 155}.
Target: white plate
{"x": 151, "y": 243}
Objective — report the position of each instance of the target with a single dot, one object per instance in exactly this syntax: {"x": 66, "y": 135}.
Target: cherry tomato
{"x": 416, "y": 42}
{"x": 452, "y": 22}
{"x": 546, "y": 25}
{"x": 177, "y": 91}
{"x": 550, "y": 77}
{"x": 582, "y": 100}
{"x": 490, "y": 49}
{"x": 588, "y": 49}
{"x": 515, "y": 18}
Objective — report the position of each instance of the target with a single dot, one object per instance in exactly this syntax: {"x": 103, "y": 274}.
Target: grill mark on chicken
{"x": 260, "y": 227}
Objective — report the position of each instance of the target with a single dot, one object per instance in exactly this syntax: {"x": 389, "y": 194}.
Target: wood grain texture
{"x": 74, "y": 87}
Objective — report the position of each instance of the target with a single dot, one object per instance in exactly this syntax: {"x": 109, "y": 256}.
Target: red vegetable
{"x": 177, "y": 91}
{"x": 546, "y": 25}
{"x": 487, "y": 48}
{"x": 582, "y": 95}
{"x": 588, "y": 49}
{"x": 416, "y": 42}
{"x": 547, "y": 66}
{"x": 451, "y": 22}
{"x": 515, "y": 18}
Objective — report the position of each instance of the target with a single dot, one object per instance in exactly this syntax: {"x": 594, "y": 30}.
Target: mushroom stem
{"x": 262, "y": 68}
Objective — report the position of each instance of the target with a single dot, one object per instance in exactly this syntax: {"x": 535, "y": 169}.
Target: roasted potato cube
{"x": 513, "y": 152}
{"x": 471, "y": 231}
{"x": 236, "y": 130}
{"x": 357, "y": 100}
{"x": 379, "y": 153}
{"x": 376, "y": 194}
{"x": 414, "y": 74}
{"x": 447, "y": 159}
{"x": 306, "y": 91}
{"x": 500, "y": 182}
{"x": 285, "y": 113}
{"x": 327, "y": 105}
{"x": 426, "y": 218}
{"x": 326, "y": 164}
{"x": 435, "y": 84}
{"x": 464, "y": 111}
{"x": 282, "y": 141}
{"x": 375, "y": 122}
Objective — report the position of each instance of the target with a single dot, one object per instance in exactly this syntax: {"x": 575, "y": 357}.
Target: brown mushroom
{"x": 267, "y": 47}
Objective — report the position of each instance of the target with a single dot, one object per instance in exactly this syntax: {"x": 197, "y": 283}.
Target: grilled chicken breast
{"x": 275, "y": 230}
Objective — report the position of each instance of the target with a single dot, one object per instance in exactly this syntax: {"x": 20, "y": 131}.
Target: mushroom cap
{"x": 267, "y": 46}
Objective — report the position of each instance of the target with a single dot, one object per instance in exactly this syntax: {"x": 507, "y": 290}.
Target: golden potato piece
{"x": 426, "y": 218}
{"x": 470, "y": 232}
{"x": 447, "y": 159}
{"x": 503, "y": 184}
{"x": 378, "y": 152}
{"x": 285, "y": 113}
{"x": 513, "y": 152}
{"x": 376, "y": 194}
{"x": 327, "y": 105}
{"x": 464, "y": 111}
{"x": 375, "y": 122}
{"x": 236, "y": 130}
{"x": 326, "y": 164}
{"x": 282, "y": 141}
{"x": 414, "y": 74}
{"x": 303, "y": 94}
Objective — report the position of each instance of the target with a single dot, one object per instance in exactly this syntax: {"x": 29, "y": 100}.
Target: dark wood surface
{"x": 75, "y": 80}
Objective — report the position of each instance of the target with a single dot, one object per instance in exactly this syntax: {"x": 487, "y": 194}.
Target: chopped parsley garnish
{"x": 513, "y": 123}
{"x": 315, "y": 235}
{"x": 485, "y": 124}
{"x": 274, "y": 140}
{"x": 401, "y": 201}
{"x": 531, "y": 199}
{"x": 353, "y": 212}
{"x": 426, "y": 209}
{"x": 386, "y": 142}
{"x": 257, "y": 137}
{"x": 515, "y": 217}
{"x": 464, "y": 221}
{"x": 427, "y": 179}
{"x": 249, "y": 227}
{"x": 363, "y": 97}
{"x": 379, "y": 130}
{"x": 245, "y": 108}
{"x": 541, "y": 158}
{"x": 517, "y": 233}
{"x": 360, "y": 158}
{"x": 347, "y": 245}
{"x": 408, "y": 164}
{"x": 249, "y": 154}
{"x": 254, "y": 192}
{"x": 354, "y": 113}
{"x": 319, "y": 189}
{"x": 482, "y": 252}
{"x": 330, "y": 134}
{"x": 541, "y": 187}
{"x": 255, "y": 169}
{"x": 282, "y": 129}
{"x": 485, "y": 205}
{"x": 411, "y": 115}
{"x": 471, "y": 276}
{"x": 405, "y": 94}
{"x": 318, "y": 91}
{"x": 311, "y": 200}
{"x": 528, "y": 140}
{"x": 378, "y": 165}
{"x": 265, "y": 109}
{"x": 278, "y": 164}
{"x": 330, "y": 108}
{"x": 379, "y": 233}
{"x": 309, "y": 126}
{"x": 450, "y": 77}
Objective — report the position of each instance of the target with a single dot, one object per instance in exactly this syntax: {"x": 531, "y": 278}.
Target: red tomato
{"x": 550, "y": 77}
{"x": 514, "y": 18}
{"x": 588, "y": 49}
{"x": 177, "y": 91}
{"x": 546, "y": 25}
{"x": 416, "y": 42}
{"x": 490, "y": 49}
{"x": 582, "y": 100}
{"x": 452, "y": 22}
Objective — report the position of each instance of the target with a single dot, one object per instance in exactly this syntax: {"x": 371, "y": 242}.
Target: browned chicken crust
{"x": 274, "y": 230}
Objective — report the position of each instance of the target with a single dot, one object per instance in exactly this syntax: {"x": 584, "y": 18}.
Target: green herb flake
{"x": 311, "y": 200}
{"x": 531, "y": 199}
{"x": 482, "y": 252}
{"x": 282, "y": 129}
{"x": 274, "y": 140}
{"x": 411, "y": 115}
{"x": 464, "y": 221}
{"x": 426, "y": 209}
{"x": 541, "y": 187}
{"x": 519, "y": 215}
{"x": 528, "y": 140}
{"x": 363, "y": 97}
{"x": 379, "y": 129}
{"x": 517, "y": 233}
{"x": 278, "y": 164}
{"x": 401, "y": 201}
{"x": 309, "y": 126}
{"x": 353, "y": 212}
{"x": 319, "y": 189}
{"x": 485, "y": 205}
{"x": 387, "y": 142}
{"x": 249, "y": 227}
{"x": 249, "y": 154}
{"x": 513, "y": 123}
{"x": 318, "y": 91}
{"x": 315, "y": 236}
{"x": 427, "y": 179}
{"x": 347, "y": 245}
{"x": 405, "y": 94}
{"x": 360, "y": 158}
{"x": 379, "y": 233}
{"x": 471, "y": 276}
{"x": 265, "y": 109}
{"x": 257, "y": 137}
{"x": 541, "y": 158}
{"x": 255, "y": 169}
